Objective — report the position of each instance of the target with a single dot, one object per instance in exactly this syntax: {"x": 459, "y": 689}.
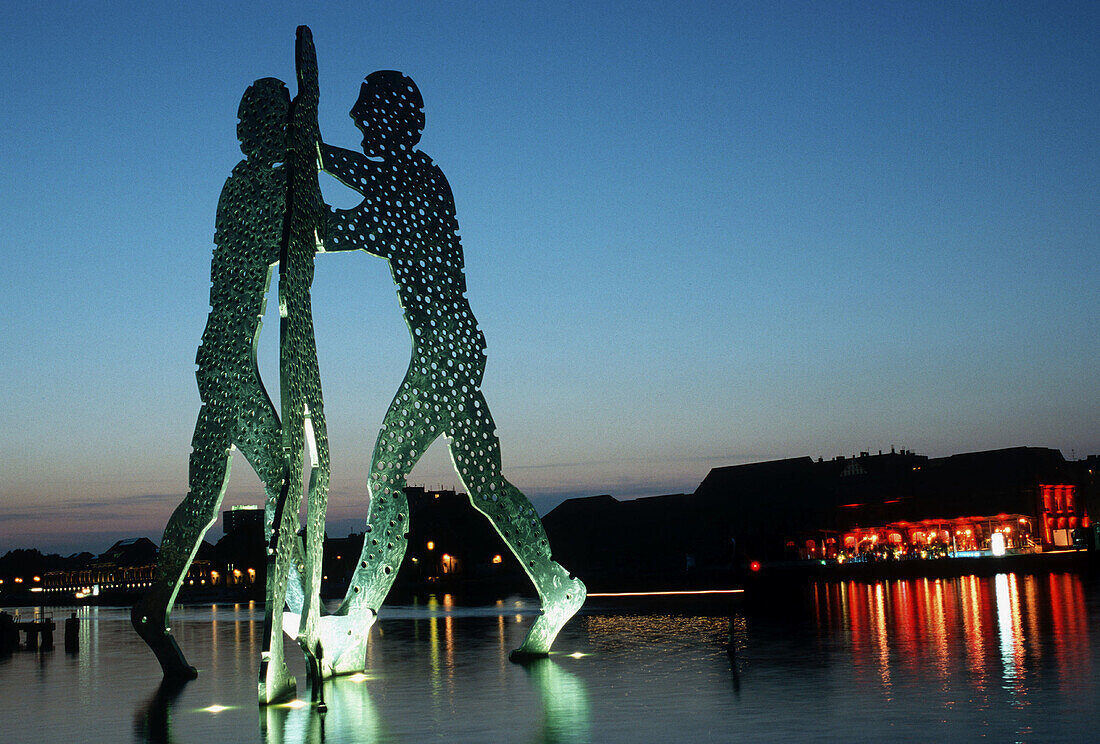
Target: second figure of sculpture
{"x": 407, "y": 217}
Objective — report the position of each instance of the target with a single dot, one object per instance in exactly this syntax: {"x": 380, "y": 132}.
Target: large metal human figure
{"x": 407, "y": 216}
{"x": 270, "y": 212}
{"x": 236, "y": 409}
{"x": 303, "y": 421}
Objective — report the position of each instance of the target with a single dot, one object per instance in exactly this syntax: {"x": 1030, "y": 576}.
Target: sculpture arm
{"x": 342, "y": 164}
{"x": 347, "y": 231}
{"x": 305, "y": 58}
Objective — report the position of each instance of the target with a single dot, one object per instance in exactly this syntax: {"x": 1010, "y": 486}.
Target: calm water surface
{"x": 1009, "y": 658}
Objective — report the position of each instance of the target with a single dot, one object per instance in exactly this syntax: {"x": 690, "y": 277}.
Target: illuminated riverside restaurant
{"x": 1002, "y": 534}
{"x": 1056, "y": 520}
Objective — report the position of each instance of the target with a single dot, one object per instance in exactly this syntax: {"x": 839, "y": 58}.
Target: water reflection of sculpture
{"x": 353, "y": 715}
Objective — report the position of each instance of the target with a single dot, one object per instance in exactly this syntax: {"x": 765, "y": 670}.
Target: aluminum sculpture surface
{"x": 271, "y": 212}
{"x": 407, "y": 217}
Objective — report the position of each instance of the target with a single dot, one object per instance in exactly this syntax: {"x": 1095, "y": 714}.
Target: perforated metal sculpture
{"x": 270, "y": 212}
{"x": 407, "y": 217}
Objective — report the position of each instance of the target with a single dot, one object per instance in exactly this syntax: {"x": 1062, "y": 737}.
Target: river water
{"x": 1006, "y": 658}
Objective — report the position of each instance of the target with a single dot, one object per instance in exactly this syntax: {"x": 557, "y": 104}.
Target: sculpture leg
{"x": 310, "y": 565}
{"x": 275, "y": 682}
{"x": 475, "y": 451}
{"x": 209, "y": 473}
{"x": 258, "y": 437}
{"x": 407, "y": 432}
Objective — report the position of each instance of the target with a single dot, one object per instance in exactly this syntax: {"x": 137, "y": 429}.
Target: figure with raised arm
{"x": 302, "y": 408}
{"x": 270, "y": 212}
{"x": 407, "y": 217}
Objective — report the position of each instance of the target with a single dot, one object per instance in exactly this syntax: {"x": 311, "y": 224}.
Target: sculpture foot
{"x": 150, "y": 625}
{"x": 520, "y": 656}
{"x": 559, "y": 605}
{"x": 344, "y": 640}
{"x": 275, "y": 685}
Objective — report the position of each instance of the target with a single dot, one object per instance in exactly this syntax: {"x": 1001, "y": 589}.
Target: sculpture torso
{"x": 248, "y": 229}
{"x": 408, "y": 217}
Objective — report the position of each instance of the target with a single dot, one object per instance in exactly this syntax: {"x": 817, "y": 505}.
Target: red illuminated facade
{"x": 1060, "y": 514}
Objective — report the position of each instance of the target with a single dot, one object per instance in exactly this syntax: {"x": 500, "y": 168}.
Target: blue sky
{"x": 696, "y": 234}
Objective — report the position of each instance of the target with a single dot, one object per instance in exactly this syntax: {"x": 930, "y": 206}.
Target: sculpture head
{"x": 263, "y": 118}
{"x": 389, "y": 113}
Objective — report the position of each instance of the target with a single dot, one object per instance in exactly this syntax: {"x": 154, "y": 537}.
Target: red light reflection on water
{"x": 1069, "y": 629}
{"x": 991, "y": 632}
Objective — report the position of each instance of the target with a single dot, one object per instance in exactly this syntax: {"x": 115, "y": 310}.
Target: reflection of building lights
{"x": 297, "y": 704}
{"x": 18, "y": 580}
{"x": 237, "y": 573}
{"x": 358, "y": 677}
{"x": 38, "y": 578}
{"x": 431, "y": 545}
{"x": 215, "y": 708}
{"x": 577, "y": 655}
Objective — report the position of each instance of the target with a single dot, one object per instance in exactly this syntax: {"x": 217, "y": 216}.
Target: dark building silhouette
{"x": 448, "y": 538}
{"x": 242, "y": 518}
{"x": 897, "y": 502}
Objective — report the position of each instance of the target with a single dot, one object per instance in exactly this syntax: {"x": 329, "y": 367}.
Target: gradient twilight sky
{"x": 696, "y": 234}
